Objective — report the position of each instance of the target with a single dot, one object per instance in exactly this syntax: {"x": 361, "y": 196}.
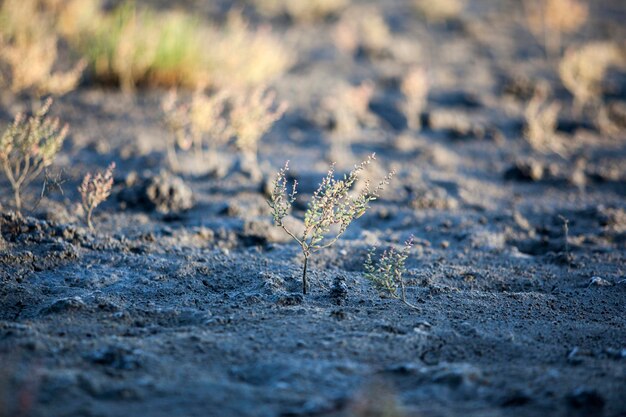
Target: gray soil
{"x": 186, "y": 299}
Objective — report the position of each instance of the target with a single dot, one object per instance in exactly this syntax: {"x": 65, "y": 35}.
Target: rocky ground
{"x": 185, "y": 300}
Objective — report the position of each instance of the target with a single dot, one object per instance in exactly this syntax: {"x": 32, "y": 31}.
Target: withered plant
{"x": 541, "y": 123}
{"x": 548, "y": 20}
{"x": 94, "y": 190}
{"x": 582, "y": 70}
{"x": 414, "y": 87}
{"x": 331, "y": 209}
{"x": 387, "y": 274}
{"x": 28, "y": 146}
{"x": 439, "y": 11}
{"x": 252, "y": 115}
{"x": 200, "y": 124}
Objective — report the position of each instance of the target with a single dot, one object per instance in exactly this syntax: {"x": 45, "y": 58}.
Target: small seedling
{"x": 28, "y": 146}
{"x": 387, "y": 274}
{"x": 330, "y": 211}
{"x": 94, "y": 190}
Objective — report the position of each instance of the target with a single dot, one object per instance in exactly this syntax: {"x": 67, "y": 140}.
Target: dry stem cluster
{"x": 94, "y": 190}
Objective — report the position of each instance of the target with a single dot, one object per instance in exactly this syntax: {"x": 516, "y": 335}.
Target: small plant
{"x": 251, "y": 116}
{"x": 330, "y": 211}
{"x": 28, "y": 146}
{"x": 548, "y": 20}
{"x": 387, "y": 274}
{"x": 541, "y": 122}
{"x": 94, "y": 190}
{"x": 414, "y": 87}
{"x": 362, "y": 29}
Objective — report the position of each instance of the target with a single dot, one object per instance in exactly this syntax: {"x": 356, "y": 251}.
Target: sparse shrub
{"x": 301, "y": 10}
{"x": 414, "y": 87}
{"x": 582, "y": 70}
{"x": 137, "y": 45}
{"x": 541, "y": 122}
{"x": 28, "y": 146}
{"x": 28, "y": 50}
{"x": 94, "y": 190}
{"x": 439, "y": 11}
{"x": 331, "y": 209}
{"x": 251, "y": 116}
{"x": 547, "y": 20}
{"x": 387, "y": 274}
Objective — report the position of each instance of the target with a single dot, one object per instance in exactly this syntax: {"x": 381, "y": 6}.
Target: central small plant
{"x": 333, "y": 206}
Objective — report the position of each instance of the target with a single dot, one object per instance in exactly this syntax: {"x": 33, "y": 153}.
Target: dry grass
{"x": 133, "y": 45}
{"x": 303, "y": 11}
{"x": 440, "y": 10}
{"x": 28, "y": 50}
{"x": 414, "y": 87}
{"x": 582, "y": 70}
{"x": 548, "y": 20}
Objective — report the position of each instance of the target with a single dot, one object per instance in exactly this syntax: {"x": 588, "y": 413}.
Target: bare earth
{"x": 166, "y": 312}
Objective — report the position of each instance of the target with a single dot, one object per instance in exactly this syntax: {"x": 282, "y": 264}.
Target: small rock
{"x": 64, "y": 305}
{"x": 599, "y": 282}
{"x": 290, "y": 300}
{"x": 339, "y": 290}
{"x": 164, "y": 193}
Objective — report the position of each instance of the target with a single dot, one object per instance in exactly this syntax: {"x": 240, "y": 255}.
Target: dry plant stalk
{"x": 548, "y": 20}
{"x": 414, "y": 86}
{"x": 332, "y": 208}
{"x": 251, "y": 116}
{"x": 387, "y": 274}
{"x": 582, "y": 70}
{"x": 541, "y": 122}
{"x": 94, "y": 190}
{"x": 28, "y": 146}
{"x": 28, "y": 47}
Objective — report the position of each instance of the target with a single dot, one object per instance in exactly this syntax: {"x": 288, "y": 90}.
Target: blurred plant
{"x": 548, "y": 20}
{"x": 387, "y": 274}
{"x": 28, "y": 146}
{"x": 200, "y": 124}
{"x": 138, "y": 45}
{"x": 376, "y": 399}
{"x": 582, "y": 71}
{"x": 28, "y": 50}
{"x": 330, "y": 210}
{"x": 252, "y": 115}
{"x": 349, "y": 108}
{"x": 94, "y": 190}
{"x": 541, "y": 122}
{"x": 414, "y": 87}
{"x": 439, "y": 11}
{"x": 306, "y": 11}
{"x": 362, "y": 29}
